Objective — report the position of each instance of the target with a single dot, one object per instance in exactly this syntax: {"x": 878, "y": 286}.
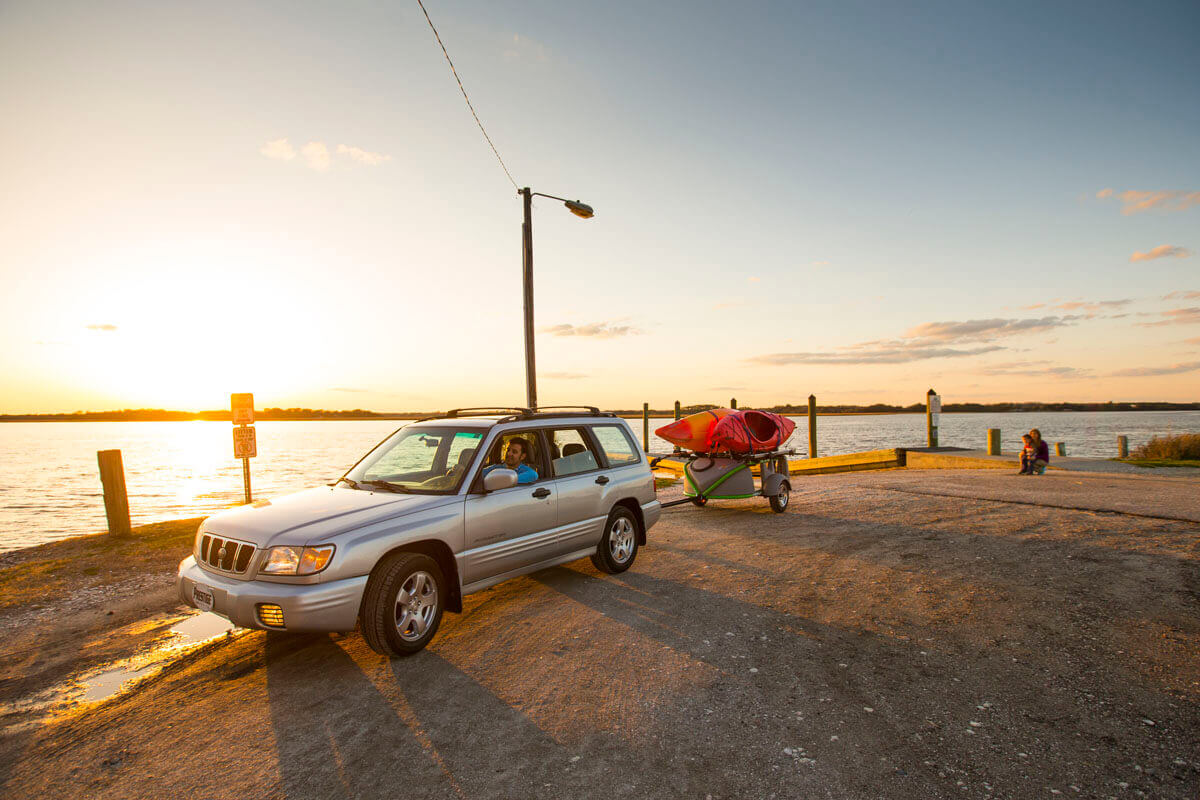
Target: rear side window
{"x": 571, "y": 452}
{"x": 616, "y": 444}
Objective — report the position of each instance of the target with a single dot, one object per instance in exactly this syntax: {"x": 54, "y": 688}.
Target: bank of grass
{"x": 1179, "y": 450}
{"x": 38, "y": 573}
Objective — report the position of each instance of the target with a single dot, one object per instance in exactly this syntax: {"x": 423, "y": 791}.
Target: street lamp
{"x": 578, "y": 209}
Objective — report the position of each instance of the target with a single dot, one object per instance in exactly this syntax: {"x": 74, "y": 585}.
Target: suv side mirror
{"x": 499, "y": 479}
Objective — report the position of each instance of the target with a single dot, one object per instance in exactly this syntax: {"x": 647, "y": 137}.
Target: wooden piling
{"x": 812, "y": 426}
{"x": 1060, "y": 448}
{"x": 993, "y": 441}
{"x": 116, "y": 501}
{"x": 733, "y": 403}
{"x": 930, "y": 429}
{"x": 645, "y": 427}
{"x": 677, "y": 418}
{"x": 1122, "y": 447}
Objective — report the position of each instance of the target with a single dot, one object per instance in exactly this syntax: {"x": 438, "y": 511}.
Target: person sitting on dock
{"x": 1036, "y": 454}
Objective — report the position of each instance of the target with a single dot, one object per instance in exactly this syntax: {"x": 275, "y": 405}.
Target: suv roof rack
{"x": 513, "y": 413}
{"x": 592, "y": 410}
{"x": 486, "y": 411}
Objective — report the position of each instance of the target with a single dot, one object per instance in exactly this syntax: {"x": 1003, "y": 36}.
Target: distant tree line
{"x": 272, "y": 414}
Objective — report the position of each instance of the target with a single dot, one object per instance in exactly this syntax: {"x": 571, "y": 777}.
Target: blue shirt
{"x": 525, "y": 473}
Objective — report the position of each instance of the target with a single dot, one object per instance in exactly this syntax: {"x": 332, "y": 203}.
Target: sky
{"x": 855, "y": 200}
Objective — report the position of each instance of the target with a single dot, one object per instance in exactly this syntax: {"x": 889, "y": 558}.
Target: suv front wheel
{"x": 618, "y": 546}
{"x": 403, "y": 603}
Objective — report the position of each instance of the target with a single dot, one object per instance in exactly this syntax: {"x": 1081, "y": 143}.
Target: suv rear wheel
{"x": 618, "y": 546}
{"x": 403, "y": 604}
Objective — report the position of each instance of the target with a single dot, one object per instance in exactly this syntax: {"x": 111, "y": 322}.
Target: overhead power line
{"x": 468, "y": 99}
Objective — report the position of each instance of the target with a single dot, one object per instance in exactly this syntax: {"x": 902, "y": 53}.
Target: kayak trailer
{"x": 729, "y": 477}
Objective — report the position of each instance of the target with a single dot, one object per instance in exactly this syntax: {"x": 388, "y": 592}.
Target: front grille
{"x": 225, "y": 554}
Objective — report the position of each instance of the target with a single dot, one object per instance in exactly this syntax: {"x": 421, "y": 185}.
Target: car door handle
{"x": 603, "y": 479}
{"x": 540, "y": 493}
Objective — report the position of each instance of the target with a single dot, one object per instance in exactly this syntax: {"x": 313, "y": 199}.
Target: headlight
{"x": 297, "y": 560}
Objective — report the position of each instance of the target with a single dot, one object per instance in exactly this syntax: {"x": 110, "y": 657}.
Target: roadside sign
{"x": 935, "y": 409}
{"x": 245, "y": 444}
{"x": 243, "y": 408}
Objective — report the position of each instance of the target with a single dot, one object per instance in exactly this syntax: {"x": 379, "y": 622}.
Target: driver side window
{"x": 531, "y": 442}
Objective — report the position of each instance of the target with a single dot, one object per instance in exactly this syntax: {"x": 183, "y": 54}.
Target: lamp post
{"x": 578, "y": 209}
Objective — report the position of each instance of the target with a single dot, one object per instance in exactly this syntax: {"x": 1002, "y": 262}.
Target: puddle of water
{"x": 185, "y": 635}
{"x": 190, "y": 632}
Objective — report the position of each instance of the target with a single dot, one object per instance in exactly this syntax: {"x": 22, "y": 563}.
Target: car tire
{"x": 779, "y": 502}
{"x": 619, "y": 545}
{"x": 403, "y": 604}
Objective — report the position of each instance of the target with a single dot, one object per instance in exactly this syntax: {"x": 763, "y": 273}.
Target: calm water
{"x": 50, "y": 484}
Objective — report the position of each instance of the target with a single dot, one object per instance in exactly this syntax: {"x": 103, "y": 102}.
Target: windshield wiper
{"x": 387, "y": 487}
{"x": 353, "y": 485}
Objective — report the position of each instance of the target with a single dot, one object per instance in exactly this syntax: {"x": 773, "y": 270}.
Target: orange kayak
{"x": 692, "y": 432}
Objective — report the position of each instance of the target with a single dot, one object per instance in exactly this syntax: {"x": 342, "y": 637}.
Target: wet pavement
{"x": 187, "y": 633}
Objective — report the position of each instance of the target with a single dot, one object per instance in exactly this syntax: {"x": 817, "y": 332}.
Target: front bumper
{"x": 309, "y": 607}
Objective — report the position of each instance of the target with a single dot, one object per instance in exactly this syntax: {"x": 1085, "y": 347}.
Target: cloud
{"x": 597, "y": 330}
{"x": 1034, "y": 369}
{"x": 818, "y": 263}
{"x": 1033, "y": 307}
{"x": 564, "y": 376}
{"x": 753, "y": 279}
{"x": 316, "y": 155}
{"x": 1091, "y": 307}
{"x": 877, "y": 355}
{"x": 1182, "y": 296}
{"x": 1145, "y": 372}
{"x": 102, "y": 326}
{"x": 1193, "y": 340}
{"x": 278, "y": 148}
{"x": 926, "y": 341}
{"x": 1162, "y": 251}
{"x": 1135, "y": 202}
{"x": 984, "y": 330}
{"x": 347, "y": 389}
{"x": 1176, "y": 316}
{"x": 363, "y": 156}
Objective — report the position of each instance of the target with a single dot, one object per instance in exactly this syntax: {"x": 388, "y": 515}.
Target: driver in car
{"x": 514, "y": 459}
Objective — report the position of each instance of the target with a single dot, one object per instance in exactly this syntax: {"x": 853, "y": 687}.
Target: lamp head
{"x": 579, "y": 209}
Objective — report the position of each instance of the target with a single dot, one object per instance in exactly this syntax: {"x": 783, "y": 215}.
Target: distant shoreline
{"x": 359, "y": 415}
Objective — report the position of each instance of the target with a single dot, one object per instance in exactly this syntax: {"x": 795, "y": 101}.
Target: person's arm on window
{"x": 526, "y": 474}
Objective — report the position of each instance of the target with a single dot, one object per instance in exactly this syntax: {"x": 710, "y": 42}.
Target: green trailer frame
{"x": 734, "y": 478}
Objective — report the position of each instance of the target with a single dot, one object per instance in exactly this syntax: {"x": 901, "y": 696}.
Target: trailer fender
{"x": 771, "y": 484}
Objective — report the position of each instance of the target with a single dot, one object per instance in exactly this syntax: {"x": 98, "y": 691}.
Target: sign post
{"x": 933, "y": 416}
{"x": 245, "y": 442}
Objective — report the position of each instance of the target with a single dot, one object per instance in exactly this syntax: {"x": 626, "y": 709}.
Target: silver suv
{"x": 443, "y": 507}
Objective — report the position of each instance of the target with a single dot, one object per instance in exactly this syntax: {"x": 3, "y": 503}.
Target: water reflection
{"x": 190, "y": 632}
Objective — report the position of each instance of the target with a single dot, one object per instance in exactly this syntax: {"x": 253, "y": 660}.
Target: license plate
{"x": 203, "y": 597}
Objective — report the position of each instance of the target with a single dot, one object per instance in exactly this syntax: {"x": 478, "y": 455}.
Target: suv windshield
{"x": 424, "y": 460}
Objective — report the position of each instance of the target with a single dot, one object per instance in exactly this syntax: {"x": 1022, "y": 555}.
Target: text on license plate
{"x": 203, "y": 596}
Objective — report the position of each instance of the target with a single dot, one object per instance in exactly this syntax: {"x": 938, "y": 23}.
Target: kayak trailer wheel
{"x": 779, "y": 502}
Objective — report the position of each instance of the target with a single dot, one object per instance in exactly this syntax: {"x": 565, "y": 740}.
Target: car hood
{"x": 314, "y": 515}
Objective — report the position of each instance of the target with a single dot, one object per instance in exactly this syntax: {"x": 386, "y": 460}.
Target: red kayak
{"x": 750, "y": 431}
